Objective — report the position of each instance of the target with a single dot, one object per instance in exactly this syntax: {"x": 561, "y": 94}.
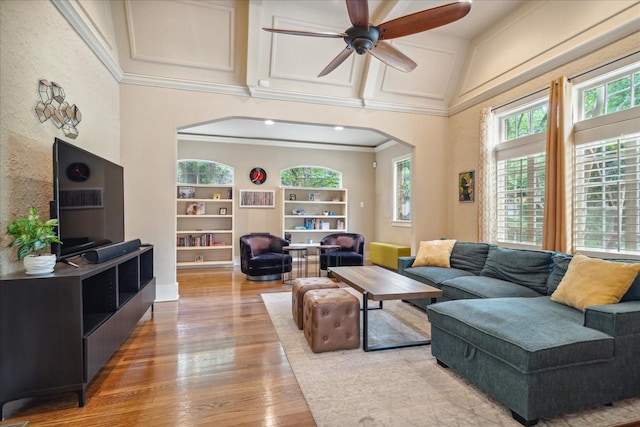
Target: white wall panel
{"x": 194, "y": 34}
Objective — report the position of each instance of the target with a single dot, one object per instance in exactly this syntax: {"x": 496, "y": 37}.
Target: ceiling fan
{"x": 364, "y": 37}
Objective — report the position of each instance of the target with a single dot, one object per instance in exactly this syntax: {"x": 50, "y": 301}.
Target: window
{"x": 520, "y": 174}
{"x": 611, "y": 93}
{"x": 203, "y": 172}
{"x": 607, "y": 195}
{"x": 311, "y": 177}
{"x": 402, "y": 189}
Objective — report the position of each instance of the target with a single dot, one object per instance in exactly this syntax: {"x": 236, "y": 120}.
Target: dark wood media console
{"x": 58, "y": 330}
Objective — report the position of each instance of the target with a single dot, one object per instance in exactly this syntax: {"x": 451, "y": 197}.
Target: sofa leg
{"x": 444, "y": 365}
{"x": 524, "y": 421}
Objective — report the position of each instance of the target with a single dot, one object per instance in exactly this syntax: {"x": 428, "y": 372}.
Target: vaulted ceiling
{"x": 219, "y": 46}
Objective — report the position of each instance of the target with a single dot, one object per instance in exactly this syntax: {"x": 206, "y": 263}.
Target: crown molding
{"x": 181, "y": 84}
{"x": 273, "y": 143}
{"x": 80, "y": 26}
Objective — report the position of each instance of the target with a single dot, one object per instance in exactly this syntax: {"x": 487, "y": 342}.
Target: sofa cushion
{"x": 469, "y": 287}
{"x": 434, "y": 276}
{"x": 593, "y": 281}
{"x": 561, "y": 263}
{"x": 469, "y": 256}
{"x": 529, "y": 334}
{"x": 528, "y": 268}
{"x": 434, "y": 253}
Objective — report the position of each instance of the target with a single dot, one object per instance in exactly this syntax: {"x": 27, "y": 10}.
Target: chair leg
{"x": 524, "y": 421}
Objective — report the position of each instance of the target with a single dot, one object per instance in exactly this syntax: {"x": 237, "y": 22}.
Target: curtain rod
{"x": 569, "y": 79}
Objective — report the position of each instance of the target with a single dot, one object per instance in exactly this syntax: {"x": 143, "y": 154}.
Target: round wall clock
{"x": 258, "y": 175}
{"x": 78, "y": 172}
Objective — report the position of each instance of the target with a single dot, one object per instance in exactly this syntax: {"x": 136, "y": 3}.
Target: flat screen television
{"x": 88, "y": 200}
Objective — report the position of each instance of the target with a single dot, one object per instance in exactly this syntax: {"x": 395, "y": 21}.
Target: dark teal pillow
{"x": 469, "y": 256}
{"x": 528, "y": 268}
{"x": 561, "y": 263}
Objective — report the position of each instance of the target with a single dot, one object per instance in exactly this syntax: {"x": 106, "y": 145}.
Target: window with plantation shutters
{"x": 607, "y": 195}
{"x": 520, "y": 174}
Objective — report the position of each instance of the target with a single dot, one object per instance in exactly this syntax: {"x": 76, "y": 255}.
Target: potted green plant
{"x": 32, "y": 237}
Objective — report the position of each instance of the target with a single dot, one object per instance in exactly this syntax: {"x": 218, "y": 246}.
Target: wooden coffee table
{"x": 379, "y": 284}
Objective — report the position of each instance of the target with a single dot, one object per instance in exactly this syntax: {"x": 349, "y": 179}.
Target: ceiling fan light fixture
{"x": 362, "y": 40}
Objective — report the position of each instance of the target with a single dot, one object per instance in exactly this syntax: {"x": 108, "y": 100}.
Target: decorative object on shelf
{"x": 292, "y": 196}
{"x": 78, "y": 172}
{"x": 335, "y": 199}
{"x": 257, "y": 199}
{"x": 297, "y": 211}
{"x": 199, "y": 258}
{"x": 53, "y": 106}
{"x": 223, "y": 211}
{"x": 216, "y": 196}
{"x": 32, "y": 237}
{"x": 186, "y": 192}
{"x": 196, "y": 208}
{"x": 466, "y": 183}
{"x": 258, "y": 176}
{"x": 315, "y": 197}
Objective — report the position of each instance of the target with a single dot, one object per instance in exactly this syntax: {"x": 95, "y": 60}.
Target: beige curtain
{"x": 557, "y": 226}
{"x": 486, "y": 177}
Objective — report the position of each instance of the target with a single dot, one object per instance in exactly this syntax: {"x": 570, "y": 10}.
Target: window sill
{"x": 405, "y": 224}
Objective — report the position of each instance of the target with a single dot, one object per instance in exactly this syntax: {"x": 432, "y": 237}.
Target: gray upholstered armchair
{"x": 262, "y": 257}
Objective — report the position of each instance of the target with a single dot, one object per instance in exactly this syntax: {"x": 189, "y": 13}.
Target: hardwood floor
{"x": 210, "y": 359}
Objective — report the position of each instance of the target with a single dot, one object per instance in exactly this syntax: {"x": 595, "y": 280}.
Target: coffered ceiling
{"x": 219, "y": 46}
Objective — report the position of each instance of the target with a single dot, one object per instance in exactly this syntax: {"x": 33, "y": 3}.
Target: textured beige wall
{"x": 37, "y": 43}
{"x": 356, "y": 168}
{"x": 150, "y": 117}
{"x": 464, "y": 132}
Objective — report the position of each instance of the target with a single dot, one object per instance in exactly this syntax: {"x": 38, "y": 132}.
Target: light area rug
{"x": 401, "y": 387}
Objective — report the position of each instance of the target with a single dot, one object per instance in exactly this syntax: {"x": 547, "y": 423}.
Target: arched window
{"x": 311, "y": 177}
{"x": 204, "y": 172}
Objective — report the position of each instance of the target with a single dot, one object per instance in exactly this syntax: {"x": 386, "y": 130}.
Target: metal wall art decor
{"x": 53, "y": 106}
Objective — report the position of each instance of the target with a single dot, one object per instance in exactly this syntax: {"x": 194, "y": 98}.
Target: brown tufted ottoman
{"x": 300, "y": 287}
{"x": 331, "y": 320}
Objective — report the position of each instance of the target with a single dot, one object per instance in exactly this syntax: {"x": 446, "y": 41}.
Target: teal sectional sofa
{"x": 497, "y": 326}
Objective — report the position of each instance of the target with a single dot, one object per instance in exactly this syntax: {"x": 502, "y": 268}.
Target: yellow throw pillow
{"x": 434, "y": 253}
{"x": 592, "y": 281}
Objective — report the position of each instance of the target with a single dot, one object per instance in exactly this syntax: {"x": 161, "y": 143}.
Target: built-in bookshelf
{"x": 309, "y": 214}
{"x": 204, "y": 225}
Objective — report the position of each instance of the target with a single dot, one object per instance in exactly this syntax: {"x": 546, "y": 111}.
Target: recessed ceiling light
{"x": 338, "y": 127}
{"x": 269, "y": 122}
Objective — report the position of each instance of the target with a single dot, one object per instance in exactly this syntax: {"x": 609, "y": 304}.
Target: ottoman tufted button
{"x": 337, "y": 325}
{"x": 325, "y": 338}
{"x": 324, "y": 313}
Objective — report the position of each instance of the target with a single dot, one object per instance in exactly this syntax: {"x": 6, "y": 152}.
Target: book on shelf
{"x": 206, "y": 239}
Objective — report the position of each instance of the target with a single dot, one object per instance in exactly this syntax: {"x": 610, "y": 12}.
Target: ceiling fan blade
{"x": 424, "y": 20}
{"x": 392, "y": 57}
{"x": 359, "y": 13}
{"x": 306, "y": 33}
{"x": 342, "y": 56}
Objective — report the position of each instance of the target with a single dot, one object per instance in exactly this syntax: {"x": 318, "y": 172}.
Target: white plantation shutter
{"x": 520, "y": 199}
{"x": 607, "y": 195}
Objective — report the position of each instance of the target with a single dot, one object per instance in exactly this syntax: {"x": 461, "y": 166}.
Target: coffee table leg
{"x": 365, "y": 331}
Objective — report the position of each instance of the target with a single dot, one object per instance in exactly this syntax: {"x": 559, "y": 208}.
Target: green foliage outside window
{"x": 204, "y": 172}
{"x": 610, "y": 97}
{"x": 311, "y": 177}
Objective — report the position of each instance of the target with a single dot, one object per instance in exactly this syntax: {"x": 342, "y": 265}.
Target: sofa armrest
{"x": 405, "y": 262}
{"x": 614, "y": 319}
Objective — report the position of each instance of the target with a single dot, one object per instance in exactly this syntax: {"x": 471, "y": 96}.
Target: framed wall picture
{"x": 315, "y": 197}
{"x": 195, "y": 208}
{"x": 257, "y": 199}
{"x": 186, "y": 192}
{"x": 466, "y": 189}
